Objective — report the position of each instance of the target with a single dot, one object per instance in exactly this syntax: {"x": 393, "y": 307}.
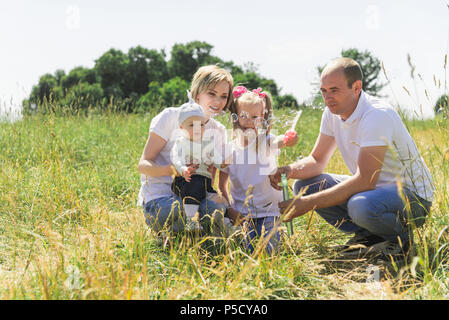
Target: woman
{"x": 211, "y": 88}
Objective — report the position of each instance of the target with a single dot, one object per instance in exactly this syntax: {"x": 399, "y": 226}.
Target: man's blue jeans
{"x": 167, "y": 211}
{"x": 381, "y": 212}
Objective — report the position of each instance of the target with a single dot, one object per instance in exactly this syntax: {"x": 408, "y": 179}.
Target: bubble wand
{"x": 286, "y": 197}
{"x": 289, "y": 135}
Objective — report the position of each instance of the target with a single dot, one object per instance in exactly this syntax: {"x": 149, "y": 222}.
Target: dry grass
{"x": 69, "y": 227}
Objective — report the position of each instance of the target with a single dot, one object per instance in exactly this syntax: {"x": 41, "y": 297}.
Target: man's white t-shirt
{"x": 251, "y": 191}
{"x": 165, "y": 125}
{"x": 374, "y": 123}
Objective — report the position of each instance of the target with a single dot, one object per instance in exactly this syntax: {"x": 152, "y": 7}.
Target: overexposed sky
{"x": 286, "y": 39}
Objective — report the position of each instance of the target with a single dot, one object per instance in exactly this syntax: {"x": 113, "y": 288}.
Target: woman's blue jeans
{"x": 381, "y": 212}
{"x": 167, "y": 212}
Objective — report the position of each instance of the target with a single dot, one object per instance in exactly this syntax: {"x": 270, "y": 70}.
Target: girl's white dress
{"x": 251, "y": 191}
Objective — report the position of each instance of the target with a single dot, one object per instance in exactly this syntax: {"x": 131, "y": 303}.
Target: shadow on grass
{"x": 412, "y": 271}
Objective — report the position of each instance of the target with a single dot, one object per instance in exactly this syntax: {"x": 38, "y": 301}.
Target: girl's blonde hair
{"x": 208, "y": 77}
{"x": 252, "y": 97}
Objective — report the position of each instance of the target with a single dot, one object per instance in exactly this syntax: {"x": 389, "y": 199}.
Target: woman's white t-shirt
{"x": 251, "y": 191}
{"x": 165, "y": 125}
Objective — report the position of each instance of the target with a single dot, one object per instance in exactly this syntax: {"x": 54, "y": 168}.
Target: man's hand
{"x": 286, "y": 207}
{"x": 275, "y": 178}
{"x": 291, "y": 209}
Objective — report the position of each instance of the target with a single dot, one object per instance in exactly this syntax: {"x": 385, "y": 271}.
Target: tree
{"x": 249, "y": 76}
{"x": 371, "y": 67}
{"x": 124, "y": 76}
{"x": 59, "y": 74}
{"x": 83, "y": 95}
{"x": 187, "y": 58}
{"x": 47, "y": 89}
{"x": 143, "y": 78}
{"x": 169, "y": 94}
{"x": 144, "y": 66}
{"x": 79, "y": 75}
{"x": 253, "y": 80}
{"x": 287, "y": 101}
{"x": 112, "y": 67}
{"x": 442, "y": 105}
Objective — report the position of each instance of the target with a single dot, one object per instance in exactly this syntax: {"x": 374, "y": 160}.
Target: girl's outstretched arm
{"x": 282, "y": 142}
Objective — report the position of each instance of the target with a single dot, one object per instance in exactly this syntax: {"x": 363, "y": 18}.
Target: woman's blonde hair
{"x": 208, "y": 77}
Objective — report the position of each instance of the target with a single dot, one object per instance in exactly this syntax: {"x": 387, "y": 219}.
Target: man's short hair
{"x": 350, "y": 68}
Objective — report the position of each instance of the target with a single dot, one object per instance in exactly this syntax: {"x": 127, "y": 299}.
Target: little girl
{"x": 255, "y": 150}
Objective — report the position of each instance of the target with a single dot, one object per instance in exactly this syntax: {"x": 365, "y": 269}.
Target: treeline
{"x": 140, "y": 80}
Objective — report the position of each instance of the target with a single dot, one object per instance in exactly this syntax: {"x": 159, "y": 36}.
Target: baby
{"x": 192, "y": 156}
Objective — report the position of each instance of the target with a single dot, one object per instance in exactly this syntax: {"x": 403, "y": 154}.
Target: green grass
{"x": 70, "y": 228}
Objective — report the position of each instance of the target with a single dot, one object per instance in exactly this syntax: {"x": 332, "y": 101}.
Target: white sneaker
{"x": 391, "y": 248}
{"x": 192, "y": 225}
{"x": 231, "y": 229}
{"x": 382, "y": 249}
{"x": 163, "y": 239}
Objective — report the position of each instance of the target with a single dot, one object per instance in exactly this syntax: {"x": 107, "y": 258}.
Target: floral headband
{"x": 238, "y": 91}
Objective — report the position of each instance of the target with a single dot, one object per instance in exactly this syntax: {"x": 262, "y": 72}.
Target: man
{"x": 390, "y": 189}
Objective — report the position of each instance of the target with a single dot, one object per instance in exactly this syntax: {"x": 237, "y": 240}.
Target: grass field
{"x": 70, "y": 228}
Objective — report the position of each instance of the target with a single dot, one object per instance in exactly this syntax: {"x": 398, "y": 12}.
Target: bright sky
{"x": 286, "y": 39}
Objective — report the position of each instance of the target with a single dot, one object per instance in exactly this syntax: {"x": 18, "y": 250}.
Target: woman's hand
{"x": 236, "y": 217}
